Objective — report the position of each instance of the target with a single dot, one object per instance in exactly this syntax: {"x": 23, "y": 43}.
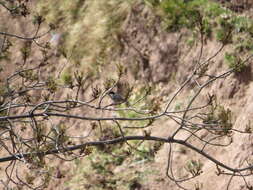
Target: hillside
{"x": 184, "y": 69}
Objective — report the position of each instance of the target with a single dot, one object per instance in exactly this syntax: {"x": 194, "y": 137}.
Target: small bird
{"x": 117, "y": 98}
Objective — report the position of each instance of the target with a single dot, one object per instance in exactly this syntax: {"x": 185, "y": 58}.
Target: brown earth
{"x": 163, "y": 58}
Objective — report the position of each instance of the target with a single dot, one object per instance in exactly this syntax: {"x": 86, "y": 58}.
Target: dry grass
{"x": 89, "y": 27}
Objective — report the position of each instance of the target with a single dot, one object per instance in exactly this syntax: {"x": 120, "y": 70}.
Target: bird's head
{"x": 111, "y": 93}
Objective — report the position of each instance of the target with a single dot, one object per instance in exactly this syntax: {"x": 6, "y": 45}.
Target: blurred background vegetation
{"x": 90, "y": 38}
{"x": 91, "y": 31}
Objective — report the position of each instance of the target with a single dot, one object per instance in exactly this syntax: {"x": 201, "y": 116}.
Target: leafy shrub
{"x": 243, "y": 44}
{"x": 220, "y": 118}
{"x": 234, "y": 62}
{"x": 179, "y": 14}
{"x": 191, "y": 14}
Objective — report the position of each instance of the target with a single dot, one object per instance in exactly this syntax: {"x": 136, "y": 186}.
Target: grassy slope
{"x": 89, "y": 31}
{"x": 88, "y": 26}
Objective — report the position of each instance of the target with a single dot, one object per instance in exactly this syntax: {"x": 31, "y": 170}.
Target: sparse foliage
{"x": 40, "y": 104}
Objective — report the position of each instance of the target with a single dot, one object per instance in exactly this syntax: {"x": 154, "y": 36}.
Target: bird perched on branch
{"x": 116, "y": 98}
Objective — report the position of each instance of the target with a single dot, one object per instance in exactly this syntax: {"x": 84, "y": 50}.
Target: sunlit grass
{"x": 89, "y": 27}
